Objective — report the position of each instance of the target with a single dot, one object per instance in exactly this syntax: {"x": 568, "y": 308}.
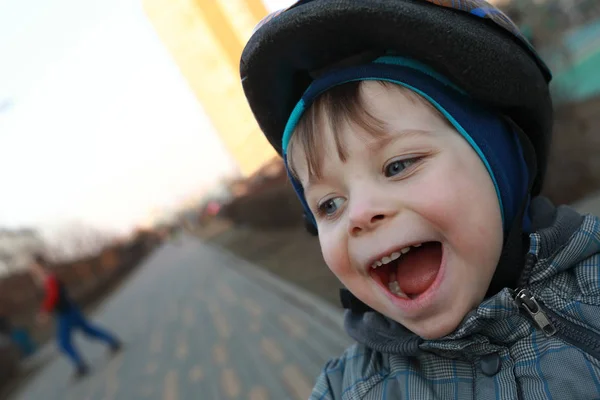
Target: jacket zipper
{"x": 529, "y": 303}
{"x": 552, "y": 324}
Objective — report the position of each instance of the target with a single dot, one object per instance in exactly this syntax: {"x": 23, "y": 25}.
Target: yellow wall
{"x": 206, "y": 38}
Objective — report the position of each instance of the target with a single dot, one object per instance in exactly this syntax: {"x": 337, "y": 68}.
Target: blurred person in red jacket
{"x": 68, "y": 316}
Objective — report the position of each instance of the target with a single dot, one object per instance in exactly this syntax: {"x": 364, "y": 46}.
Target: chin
{"x": 434, "y": 327}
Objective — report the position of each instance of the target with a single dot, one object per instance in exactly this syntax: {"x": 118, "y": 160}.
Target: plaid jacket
{"x": 542, "y": 342}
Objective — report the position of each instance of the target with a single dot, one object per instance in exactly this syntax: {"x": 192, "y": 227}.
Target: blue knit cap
{"x": 491, "y": 137}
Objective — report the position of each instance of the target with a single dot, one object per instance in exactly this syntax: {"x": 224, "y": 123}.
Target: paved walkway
{"x": 199, "y": 323}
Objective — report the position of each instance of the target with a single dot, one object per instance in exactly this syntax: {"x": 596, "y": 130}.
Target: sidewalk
{"x": 198, "y": 322}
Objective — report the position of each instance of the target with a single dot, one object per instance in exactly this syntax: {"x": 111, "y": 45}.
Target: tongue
{"x": 418, "y": 268}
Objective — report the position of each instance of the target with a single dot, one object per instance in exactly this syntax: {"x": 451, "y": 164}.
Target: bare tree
{"x": 16, "y": 247}
{"x": 77, "y": 240}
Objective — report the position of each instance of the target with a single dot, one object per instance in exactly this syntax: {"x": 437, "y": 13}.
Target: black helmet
{"x": 470, "y": 42}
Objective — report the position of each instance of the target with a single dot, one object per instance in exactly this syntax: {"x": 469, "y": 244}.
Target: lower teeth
{"x": 395, "y": 289}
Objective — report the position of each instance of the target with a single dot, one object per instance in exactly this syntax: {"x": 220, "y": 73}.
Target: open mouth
{"x": 409, "y": 272}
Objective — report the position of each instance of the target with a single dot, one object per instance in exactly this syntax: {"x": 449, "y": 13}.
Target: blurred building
{"x": 16, "y": 248}
{"x": 206, "y": 38}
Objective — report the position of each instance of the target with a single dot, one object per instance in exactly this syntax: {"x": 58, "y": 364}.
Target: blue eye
{"x": 397, "y": 166}
{"x": 329, "y": 207}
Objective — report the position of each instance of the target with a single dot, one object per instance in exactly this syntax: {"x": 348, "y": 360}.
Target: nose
{"x": 367, "y": 215}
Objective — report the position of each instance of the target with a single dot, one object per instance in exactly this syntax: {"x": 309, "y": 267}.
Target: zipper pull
{"x": 527, "y": 301}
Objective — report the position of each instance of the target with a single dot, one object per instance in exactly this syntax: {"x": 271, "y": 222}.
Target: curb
{"x": 28, "y": 369}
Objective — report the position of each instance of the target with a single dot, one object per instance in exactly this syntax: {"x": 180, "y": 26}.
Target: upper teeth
{"x": 394, "y": 256}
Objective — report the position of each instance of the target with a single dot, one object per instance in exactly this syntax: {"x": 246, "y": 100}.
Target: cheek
{"x": 334, "y": 247}
{"x": 335, "y": 254}
{"x": 459, "y": 198}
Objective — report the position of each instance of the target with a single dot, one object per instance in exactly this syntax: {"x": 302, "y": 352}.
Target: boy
{"x": 416, "y": 134}
{"x": 68, "y": 316}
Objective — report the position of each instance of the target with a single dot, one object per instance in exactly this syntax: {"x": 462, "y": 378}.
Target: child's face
{"x": 419, "y": 184}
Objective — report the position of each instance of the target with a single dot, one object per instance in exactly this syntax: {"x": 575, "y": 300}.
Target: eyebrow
{"x": 312, "y": 181}
{"x": 382, "y": 142}
{"x": 376, "y": 146}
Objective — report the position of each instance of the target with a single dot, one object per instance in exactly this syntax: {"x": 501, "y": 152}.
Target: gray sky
{"x": 103, "y": 128}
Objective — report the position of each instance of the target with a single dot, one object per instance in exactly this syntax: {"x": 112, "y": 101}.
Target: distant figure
{"x": 17, "y": 336}
{"x": 68, "y": 316}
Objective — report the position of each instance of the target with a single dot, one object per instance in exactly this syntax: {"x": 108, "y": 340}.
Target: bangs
{"x": 333, "y": 109}
{"x": 337, "y": 107}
